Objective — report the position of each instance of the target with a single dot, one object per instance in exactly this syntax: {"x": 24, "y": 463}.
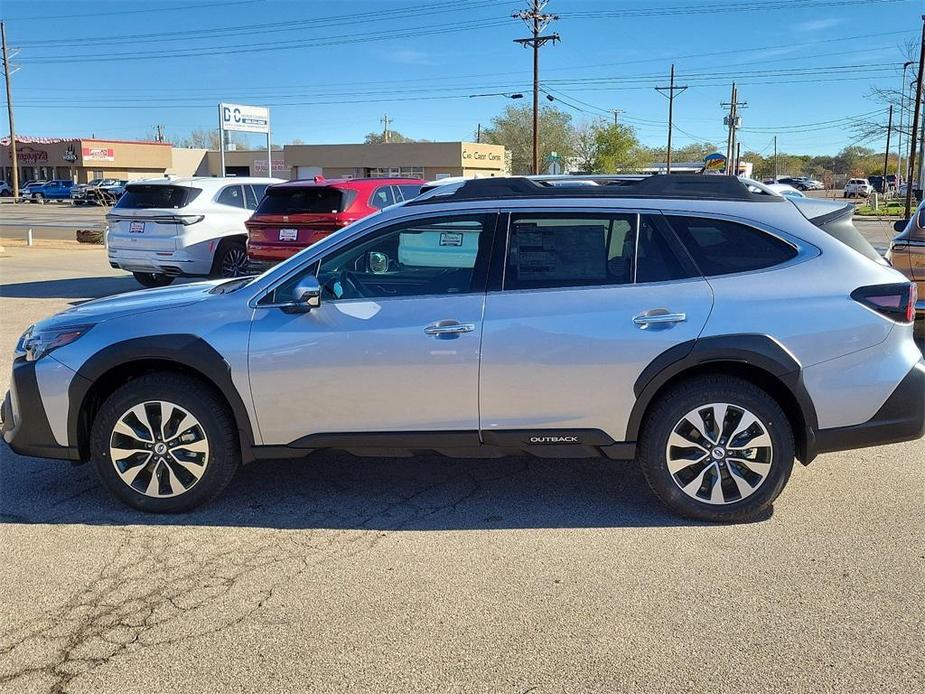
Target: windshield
{"x": 303, "y": 200}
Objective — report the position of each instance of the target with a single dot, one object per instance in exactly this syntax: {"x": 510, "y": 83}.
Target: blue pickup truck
{"x": 53, "y": 190}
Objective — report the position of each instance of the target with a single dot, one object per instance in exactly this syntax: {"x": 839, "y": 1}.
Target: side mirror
{"x": 378, "y": 262}
{"x": 306, "y": 295}
{"x": 900, "y": 225}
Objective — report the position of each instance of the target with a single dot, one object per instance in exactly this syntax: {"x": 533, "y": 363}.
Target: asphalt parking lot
{"x": 337, "y": 573}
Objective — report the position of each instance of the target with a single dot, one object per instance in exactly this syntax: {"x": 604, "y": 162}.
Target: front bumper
{"x": 24, "y": 422}
{"x": 901, "y": 418}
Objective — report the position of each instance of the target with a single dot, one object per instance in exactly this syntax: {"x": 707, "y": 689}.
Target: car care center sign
{"x": 248, "y": 119}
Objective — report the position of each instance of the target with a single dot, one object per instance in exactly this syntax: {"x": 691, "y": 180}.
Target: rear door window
{"x": 722, "y": 247}
{"x": 303, "y": 200}
{"x": 145, "y": 197}
{"x": 382, "y": 197}
{"x": 232, "y": 196}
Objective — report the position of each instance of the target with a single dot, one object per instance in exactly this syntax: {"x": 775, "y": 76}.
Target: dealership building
{"x": 82, "y": 159}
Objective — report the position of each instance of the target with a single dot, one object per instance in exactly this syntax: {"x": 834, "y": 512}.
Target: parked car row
{"x": 161, "y": 229}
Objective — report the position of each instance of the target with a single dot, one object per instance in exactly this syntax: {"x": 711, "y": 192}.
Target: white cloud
{"x": 819, "y": 24}
{"x": 410, "y": 56}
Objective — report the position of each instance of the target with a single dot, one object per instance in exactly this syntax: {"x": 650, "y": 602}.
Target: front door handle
{"x": 658, "y": 316}
{"x": 447, "y": 327}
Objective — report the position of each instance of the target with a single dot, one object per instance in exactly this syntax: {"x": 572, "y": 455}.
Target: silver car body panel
{"x": 549, "y": 358}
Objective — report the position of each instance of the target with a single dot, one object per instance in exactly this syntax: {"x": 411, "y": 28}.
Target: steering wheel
{"x": 352, "y": 287}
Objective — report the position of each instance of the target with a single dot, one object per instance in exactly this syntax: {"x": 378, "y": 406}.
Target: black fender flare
{"x": 759, "y": 351}
{"x": 189, "y": 352}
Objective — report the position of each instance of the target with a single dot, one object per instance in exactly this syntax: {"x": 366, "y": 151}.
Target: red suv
{"x": 296, "y": 214}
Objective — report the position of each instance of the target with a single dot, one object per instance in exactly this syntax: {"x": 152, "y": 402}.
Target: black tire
{"x": 687, "y": 396}
{"x": 152, "y": 279}
{"x": 38, "y": 198}
{"x": 230, "y": 259}
{"x": 201, "y": 401}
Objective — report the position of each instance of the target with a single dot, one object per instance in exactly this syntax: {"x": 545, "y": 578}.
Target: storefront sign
{"x": 248, "y": 119}
{"x": 714, "y": 162}
{"x": 279, "y": 166}
{"x": 30, "y": 155}
{"x": 478, "y": 155}
{"x": 69, "y": 154}
{"x": 98, "y": 154}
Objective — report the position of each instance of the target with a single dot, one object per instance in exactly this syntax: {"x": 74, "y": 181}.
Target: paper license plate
{"x": 136, "y": 228}
{"x": 288, "y": 234}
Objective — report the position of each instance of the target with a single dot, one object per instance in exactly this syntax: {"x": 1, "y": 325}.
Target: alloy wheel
{"x": 234, "y": 262}
{"x": 719, "y": 453}
{"x": 159, "y": 449}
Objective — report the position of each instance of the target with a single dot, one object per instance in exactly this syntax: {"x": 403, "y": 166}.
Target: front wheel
{"x": 164, "y": 443}
{"x": 152, "y": 279}
{"x": 38, "y": 198}
{"x": 717, "y": 448}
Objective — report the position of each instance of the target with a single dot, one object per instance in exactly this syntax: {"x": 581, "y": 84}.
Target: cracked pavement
{"x": 345, "y": 574}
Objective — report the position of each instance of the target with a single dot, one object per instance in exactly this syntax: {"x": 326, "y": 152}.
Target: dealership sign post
{"x": 245, "y": 119}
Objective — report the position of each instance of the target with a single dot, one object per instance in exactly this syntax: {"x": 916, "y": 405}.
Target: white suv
{"x": 858, "y": 186}
{"x": 172, "y": 227}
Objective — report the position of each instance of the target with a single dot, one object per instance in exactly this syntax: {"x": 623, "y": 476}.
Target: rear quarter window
{"x": 722, "y": 247}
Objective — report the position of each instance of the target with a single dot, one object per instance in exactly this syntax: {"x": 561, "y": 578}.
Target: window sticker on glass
{"x": 559, "y": 253}
{"x": 451, "y": 238}
{"x": 288, "y": 234}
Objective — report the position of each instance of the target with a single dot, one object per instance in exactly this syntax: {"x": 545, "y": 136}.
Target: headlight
{"x": 36, "y": 344}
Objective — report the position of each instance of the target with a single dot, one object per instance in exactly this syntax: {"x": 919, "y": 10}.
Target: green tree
{"x": 394, "y": 136}
{"x": 514, "y": 130}
{"x": 695, "y": 151}
{"x": 602, "y": 147}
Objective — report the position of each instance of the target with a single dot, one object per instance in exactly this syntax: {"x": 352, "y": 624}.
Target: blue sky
{"x": 85, "y": 66}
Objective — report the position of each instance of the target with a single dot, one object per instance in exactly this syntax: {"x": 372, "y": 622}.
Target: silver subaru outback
{"x": 709, "y": 330}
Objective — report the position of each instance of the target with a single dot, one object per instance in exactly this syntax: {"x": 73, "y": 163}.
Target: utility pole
{"x": 886, "y": 156}
{"x": 775, "y": 158}
{"x": 14, "y": 157}
{"x": 915, "y": 121}
{"x": 900, "y": 172}
{"x": 478, "y": 133}
{"x": 738, "y": 156}
{"x": 732, "y": 121}
{"x": 159, "y": 133}
{"x": 616, "y": 112}
{"x": 537, "y": 21}
{"x": 386, "y": 133}
{"x": 671, "y": 89}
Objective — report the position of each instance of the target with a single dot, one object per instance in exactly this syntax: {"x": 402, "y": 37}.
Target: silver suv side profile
{"x": 712, "y": 333}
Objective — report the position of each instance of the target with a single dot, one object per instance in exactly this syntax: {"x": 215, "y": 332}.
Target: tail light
{"x": 895, "y": 301}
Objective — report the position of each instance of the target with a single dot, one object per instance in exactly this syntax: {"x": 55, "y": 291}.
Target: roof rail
{"x": 674, "y": 186}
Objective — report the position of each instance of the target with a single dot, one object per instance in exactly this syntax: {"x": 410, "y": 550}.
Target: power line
{"x": 150, "y": 9}
{"x": 266, "y": 28}
{"x": 723, "y": 8}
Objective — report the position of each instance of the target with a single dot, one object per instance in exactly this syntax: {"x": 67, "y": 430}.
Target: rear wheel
{"x": 152, "y": 279}
{"x": 164, "y": 443}
{"x": 717, "y": 448}
{"x": 230, "y": 260}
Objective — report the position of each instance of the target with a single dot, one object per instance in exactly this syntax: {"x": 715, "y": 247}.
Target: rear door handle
{"x": 658, "y": 316}
{"x": 449, "y": 328}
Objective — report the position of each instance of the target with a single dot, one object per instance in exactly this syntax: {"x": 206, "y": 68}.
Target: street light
{"x": 516, "y": 95}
